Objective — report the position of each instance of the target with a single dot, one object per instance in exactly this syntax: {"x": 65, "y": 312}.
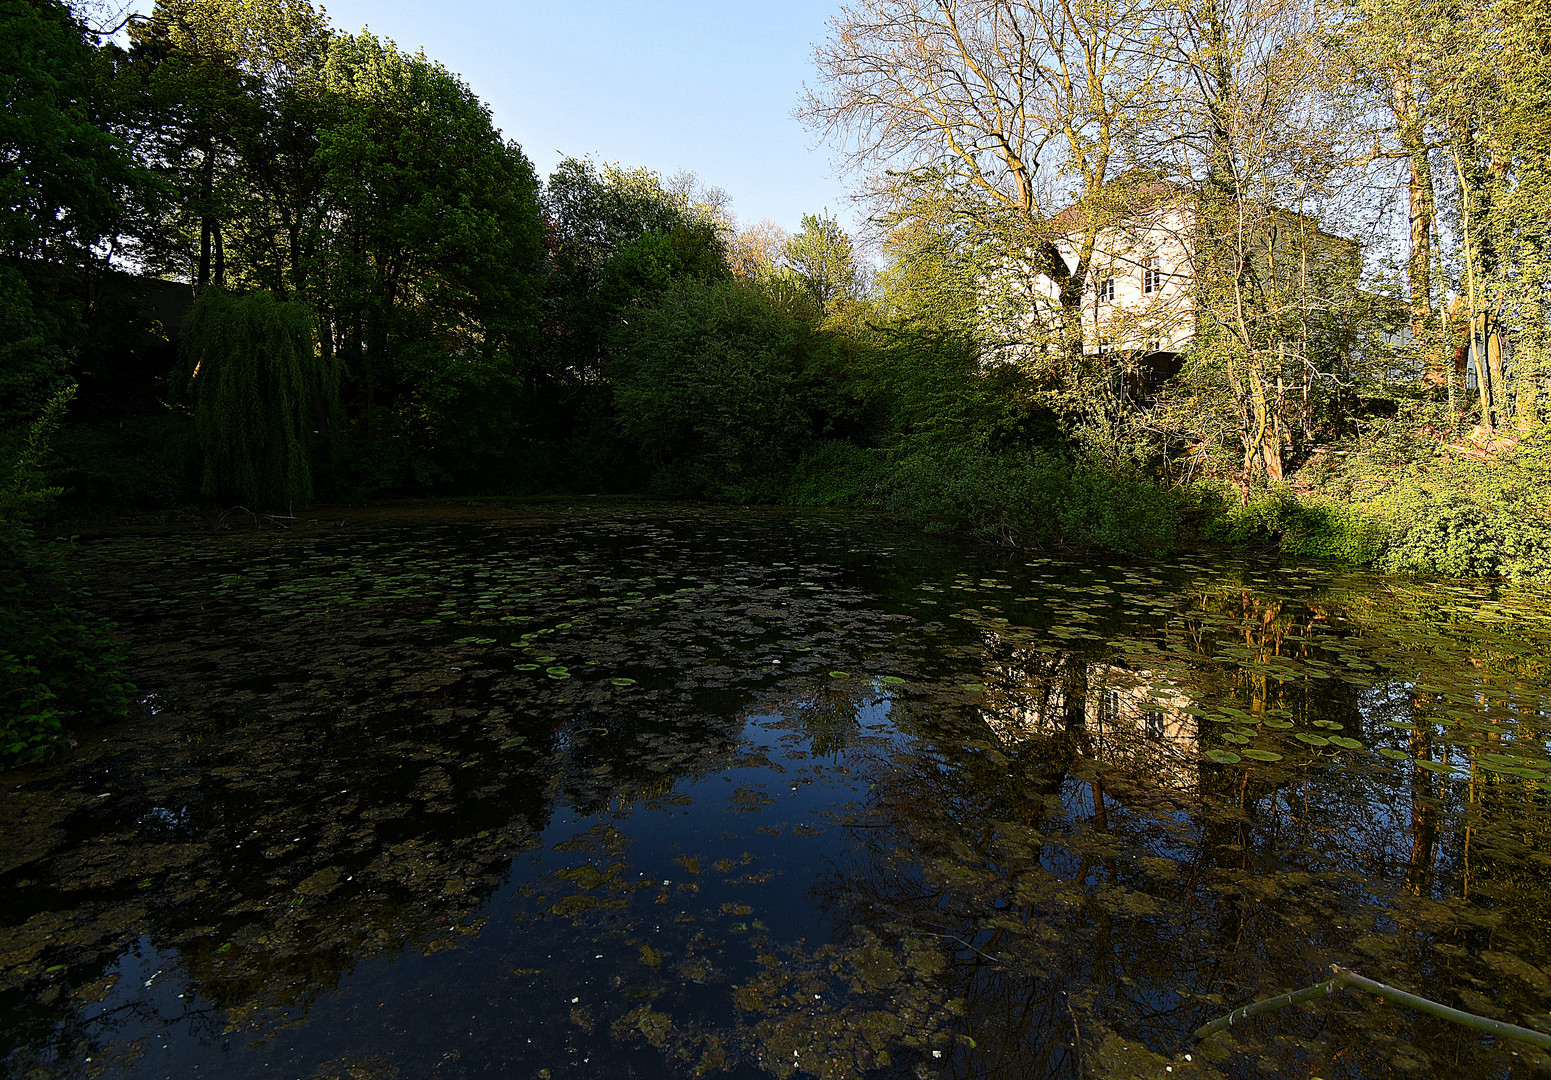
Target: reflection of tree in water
{"x": 333, "y": 790}
{"x": 267, "y": 854}
{"x": 1091, "y": 891}
{"x": 829, "y": 714}
{"x": 627, "y": 752}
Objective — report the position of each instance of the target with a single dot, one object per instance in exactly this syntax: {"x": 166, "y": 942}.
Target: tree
{"x": 820, "y": 256}
{"x": 1006, "y": 107}
{"x": 1251, "y": 130}
{"x": 713, "y": 389}
{"x": 616, "y": 236}
{"x": 259, "y": 389}
{"x": 234, "y": 103}
{"x": 1388, "y": 49}
{"x": 755, "y": 252}
{"x": 67, "y": 183}
{"x": 429, "y": 265}
{"x": 1489, "y": 89}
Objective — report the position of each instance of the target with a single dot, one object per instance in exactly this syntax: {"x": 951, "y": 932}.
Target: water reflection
{"x": 654, "y": 792}
{"x": 1119, "y": 717}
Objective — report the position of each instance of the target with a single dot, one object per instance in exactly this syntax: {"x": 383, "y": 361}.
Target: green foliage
{"x": 1405, "y": 504}
{"x": 67, "y": 183}
{"x": 822, "y": 259}
{"x": 136, "y": 464}
{"x": 1464, "y": 517}
{"x": 1036, "y": 500}
{"x": 1462, "y": 538}
{"x": 58, "y": 663}
{"x": 1299, "y": 524}
{"x": 259, "y": 390}
{"x": 711, "y": 390}
{"x": 834, "y": 472}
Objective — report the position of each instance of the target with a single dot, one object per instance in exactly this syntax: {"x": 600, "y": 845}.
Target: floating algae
{"x": 350, "y": 792}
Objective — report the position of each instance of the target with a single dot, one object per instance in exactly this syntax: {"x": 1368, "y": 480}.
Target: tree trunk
{"x": 1263, "y": 442}
{"x": 206, "y": 221}
{"x": 1494, "y": 367}
{"x": 1423, "y": 213}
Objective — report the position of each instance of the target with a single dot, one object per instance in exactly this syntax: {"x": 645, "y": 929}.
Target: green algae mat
{"x": 615, "y": 790}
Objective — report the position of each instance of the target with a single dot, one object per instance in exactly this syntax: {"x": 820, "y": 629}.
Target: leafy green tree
{"x": 821, "y": 257}
{"x": 67, "y": 183}
{"x": 429, "y": 275}
{"x": 715, "y": 390}
{"x": 233, "y": 100}
{"x": 616, "y": 234}
{"x": 259, "y": 391}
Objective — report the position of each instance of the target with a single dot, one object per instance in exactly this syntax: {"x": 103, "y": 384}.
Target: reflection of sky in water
{"x": 764, "y": 856}
{"x": 398, "y": 845}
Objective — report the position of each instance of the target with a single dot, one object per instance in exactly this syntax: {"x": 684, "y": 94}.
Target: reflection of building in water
{"x": 1116, "y": 715}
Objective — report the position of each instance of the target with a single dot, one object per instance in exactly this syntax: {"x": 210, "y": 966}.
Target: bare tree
{"x": 1250, "y": 127}
{"x": 1015, "y": 107}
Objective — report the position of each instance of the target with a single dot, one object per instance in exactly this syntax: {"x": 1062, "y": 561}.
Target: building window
{"x": 1152, "y": 276}
{"x": 1153, "y": 344}
{"x": 1154, "y": 724}
{"x": 1106, "y": 290}
{"x": 1109, "y": 707}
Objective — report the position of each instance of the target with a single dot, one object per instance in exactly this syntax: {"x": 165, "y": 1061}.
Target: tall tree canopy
{"x": 68, "y": 184}
{"x": 821, "y": 257}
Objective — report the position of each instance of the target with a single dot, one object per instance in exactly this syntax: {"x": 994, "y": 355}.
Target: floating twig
{"x": 1342, "y": 978}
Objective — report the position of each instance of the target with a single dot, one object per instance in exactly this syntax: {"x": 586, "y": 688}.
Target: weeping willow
{"x": 259, "y": 389}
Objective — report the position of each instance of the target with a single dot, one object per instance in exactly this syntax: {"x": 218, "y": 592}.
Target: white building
{"x": 1139, "y": 297}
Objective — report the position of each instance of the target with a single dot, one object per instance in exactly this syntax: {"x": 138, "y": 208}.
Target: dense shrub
{"x": 833, "y": 472}
{"x": 139, "y": 463}
{"x": 59, "y": 665}
{"x": 1034, "y": 500}
{"x": 1449, "y": 533}
{"x": 1297, "y": 524}
{"x": 712, "y": 390}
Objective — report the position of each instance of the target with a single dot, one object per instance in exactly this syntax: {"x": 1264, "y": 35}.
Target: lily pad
{"x": 839, "y": 674}
{"x": 975, "y": 688}
{"x": 1263, "y": 755}
{"x": 1345, "y": 743}
{"x": 622, "y": 681}
{"x": 1312, "y": 739}
{"x": 1223, "y": 757}
{"x": 892, "y": 680}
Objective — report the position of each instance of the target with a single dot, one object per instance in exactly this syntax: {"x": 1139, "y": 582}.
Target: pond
{"x": 631, "y": 790}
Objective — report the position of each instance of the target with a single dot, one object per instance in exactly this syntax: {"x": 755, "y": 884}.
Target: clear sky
{"x": 705, "y": 86}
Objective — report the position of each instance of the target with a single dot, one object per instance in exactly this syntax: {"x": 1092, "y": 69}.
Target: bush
{"x": 139, "y": 463}
{"x": 58, "y": 663}
{"x": 838, "y": 473}
{"x": 1034, "y": 500}
{"x": 713, "y": 391}
{"x": 1450, "y": 534}
{"x": 1297, "y": 524}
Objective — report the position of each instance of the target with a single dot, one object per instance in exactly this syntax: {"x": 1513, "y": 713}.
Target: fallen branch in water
{"x": 1342, "y": 979}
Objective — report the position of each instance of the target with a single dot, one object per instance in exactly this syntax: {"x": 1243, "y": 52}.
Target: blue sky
{"x": 707, "y": 87}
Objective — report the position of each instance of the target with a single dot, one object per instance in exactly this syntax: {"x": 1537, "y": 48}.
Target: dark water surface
{"x": 636, "y": 791}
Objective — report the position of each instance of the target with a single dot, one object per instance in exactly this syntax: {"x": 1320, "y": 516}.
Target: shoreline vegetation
{"x": 255, "y": 261}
